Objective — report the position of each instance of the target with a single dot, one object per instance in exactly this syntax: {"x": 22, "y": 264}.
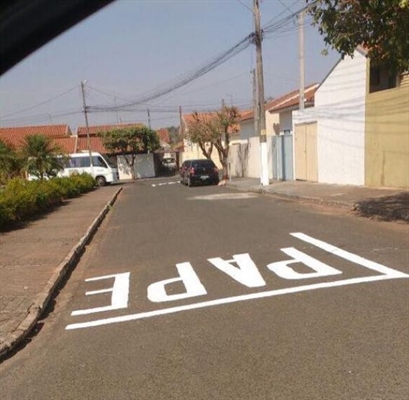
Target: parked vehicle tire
{"x": 101, "y": 181}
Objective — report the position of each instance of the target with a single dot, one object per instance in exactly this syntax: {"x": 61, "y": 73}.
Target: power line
{"x": 184, "y": 80}
{"x": 195, "y": 74}
{"x": 40, "y": 104}
{"x": 273, "y": 25}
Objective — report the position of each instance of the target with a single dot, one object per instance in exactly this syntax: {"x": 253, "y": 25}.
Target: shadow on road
{"x": 387, "y": 208}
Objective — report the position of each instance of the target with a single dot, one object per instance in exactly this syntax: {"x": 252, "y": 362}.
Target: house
{"x": 95, "y": 141}
{"x": 329, "y": 137}
{"x": 163, "y": 135}
{"x": 282, "y": 108}
{"x": 357, "y": 133}
{"x": 387, "y": 129}
{"x": 144, "y": 163}
{"x": 192, "y": 150}
{"x": 61, "y": 135}
{"x": 279, "y": 140}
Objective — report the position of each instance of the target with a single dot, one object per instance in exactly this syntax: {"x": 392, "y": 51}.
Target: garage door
{"x": 306, "y": 165}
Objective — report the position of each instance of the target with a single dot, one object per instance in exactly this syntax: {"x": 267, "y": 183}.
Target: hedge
{"x": 21, "y": 200}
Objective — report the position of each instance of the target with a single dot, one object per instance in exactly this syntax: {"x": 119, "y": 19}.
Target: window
{"x": 380, "y": 78}
{"x": 98, "y": 161}
{"x": 84, "y": 162}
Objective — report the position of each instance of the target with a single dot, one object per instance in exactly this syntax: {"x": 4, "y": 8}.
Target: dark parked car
{"x": 195, "y": 172}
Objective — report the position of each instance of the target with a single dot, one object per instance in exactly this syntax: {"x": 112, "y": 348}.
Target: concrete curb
{"x": 295, "y": 197}
{"x": 13, "y": 339}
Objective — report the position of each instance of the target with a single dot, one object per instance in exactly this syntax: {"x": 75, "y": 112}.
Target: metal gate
{"x": 306, "y": 159}
{"x": 283, "y": 157}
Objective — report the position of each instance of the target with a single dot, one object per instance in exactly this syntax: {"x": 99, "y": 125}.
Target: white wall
{"x": 194, "y": 152}
{"x": 144, "y": 167}
{"x": 245, "y": 158}
{"x": 340, "y": 114}
{"x": 286, "y": 121}
{"x": 272, "y": 123}
{"x": 247, "y": 129}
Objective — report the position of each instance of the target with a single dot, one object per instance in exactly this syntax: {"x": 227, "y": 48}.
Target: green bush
{"x": 21, "y": 200}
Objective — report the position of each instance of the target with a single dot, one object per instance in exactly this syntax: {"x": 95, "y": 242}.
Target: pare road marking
{"x": 243, "y": 270}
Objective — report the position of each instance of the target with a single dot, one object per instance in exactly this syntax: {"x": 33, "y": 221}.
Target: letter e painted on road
{"x": 246, "y": 273}
{"x": 283, "y": 270}
{"x": 120, "y": 294}
{"x": 157, "y": 291}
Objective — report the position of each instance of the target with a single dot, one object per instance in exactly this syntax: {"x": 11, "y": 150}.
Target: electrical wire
{"x": 274, "y": 25}
{"x": 40, "y": 104}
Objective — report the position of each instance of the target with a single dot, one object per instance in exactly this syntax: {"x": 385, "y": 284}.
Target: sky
{"x": 134, "y": 47}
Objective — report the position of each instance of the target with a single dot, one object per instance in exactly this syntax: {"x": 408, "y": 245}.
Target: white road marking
{"x": 228, "y": 300}
{"x": 386, "y": 274}
{"x": 120, "y": 294}
{"x": 187, "y": 275}
{"x": 346, "y": 255}
{"x": 225, "y": 196}
{"x": 164, "y": 183}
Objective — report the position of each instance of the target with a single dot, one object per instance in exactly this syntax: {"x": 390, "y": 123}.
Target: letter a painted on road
{"x": 283, "y": 270}
{"x": 246, "y": 273}
{"x": 157, "y": 291}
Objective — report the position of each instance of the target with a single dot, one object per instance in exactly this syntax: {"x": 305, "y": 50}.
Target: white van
{"x": 103, "y": 169}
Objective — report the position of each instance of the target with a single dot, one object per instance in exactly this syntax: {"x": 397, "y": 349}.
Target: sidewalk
{"x": 384, "y": 203}
{"x": 34, "y": 259}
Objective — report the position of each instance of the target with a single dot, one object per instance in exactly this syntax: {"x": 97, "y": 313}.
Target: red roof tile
{"x": 188, "y": 119}
{"x": 292, "y": 99}
{"x": 15, "y": 135}
{"x": 247, "y": 115}
{"x": 95, "y": 129}
{"x": 163, "y": 135}
{"x": 95, "y": 144}
{"x": 67, "y": 144}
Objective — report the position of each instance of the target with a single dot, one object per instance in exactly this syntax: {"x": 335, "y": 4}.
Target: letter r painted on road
{"x": 157, "y": 291}
{"x": 246, "y": 273}
{"x": 120, "y": 293}
{"x": 283, "y": 270}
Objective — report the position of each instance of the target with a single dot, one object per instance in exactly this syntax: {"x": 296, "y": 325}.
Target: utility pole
{"x": 86, "y": 125}
{"x": 255, "y": 103}
{"x": 301, "y": 57}
{"x": 180, "y": 123}
{"x": 264, "y": 181}
{"x": 149, "y": 119}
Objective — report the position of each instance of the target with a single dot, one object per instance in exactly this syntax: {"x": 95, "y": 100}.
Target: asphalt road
{"x": 293, "y": 317}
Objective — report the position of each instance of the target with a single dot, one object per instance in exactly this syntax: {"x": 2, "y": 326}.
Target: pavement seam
{"x": 13, "y": 339}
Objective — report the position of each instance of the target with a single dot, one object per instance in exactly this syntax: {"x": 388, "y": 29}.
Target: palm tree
{"x": 10, "y": 162}
{"x": 41, "y": 156}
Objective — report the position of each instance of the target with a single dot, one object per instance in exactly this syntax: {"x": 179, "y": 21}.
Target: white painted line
{"x": 164, "y": 183}
{"x": 229, "y": 300}
{"x": 225, "y": 196}
{"x": 346, "y": 255}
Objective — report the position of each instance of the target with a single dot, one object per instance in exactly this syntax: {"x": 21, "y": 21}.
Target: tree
{"x": 130, "y": 142}
{"x": 174, "y": 134}
{"x": 225, "y": 123}
{"x": 10, "y": 162}
{"x": 214, "y": 130}
{"x": 200, "y": 133}
{"x": 42, "y": 157}
{"x": 380, "y": 26}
